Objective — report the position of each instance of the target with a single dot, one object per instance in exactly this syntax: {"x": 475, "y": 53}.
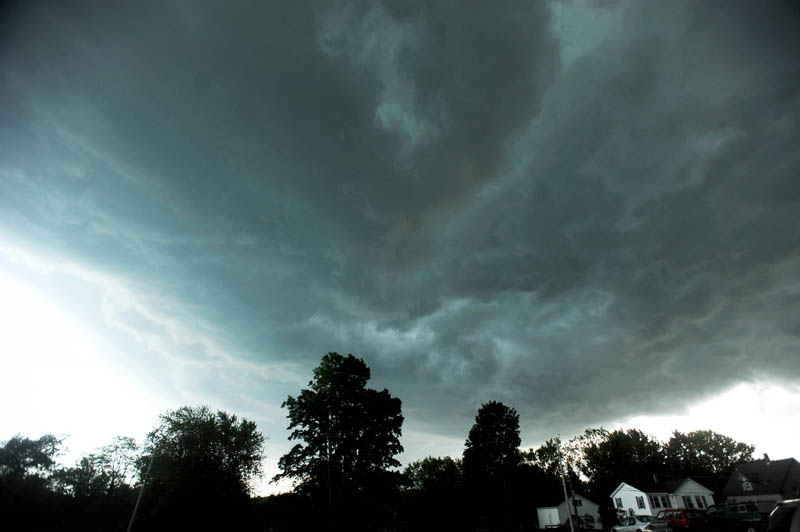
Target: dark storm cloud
{"x": 577, "y": 210}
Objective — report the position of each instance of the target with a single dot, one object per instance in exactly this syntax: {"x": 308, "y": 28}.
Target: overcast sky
{"x": 586, "y": 211}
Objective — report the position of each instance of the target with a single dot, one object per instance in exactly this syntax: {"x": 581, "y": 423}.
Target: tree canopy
{"x": 27, "y": 471}
{"x": 22, "y": 457}
{"x": 349, "y": 433}
{"x": 434, "y": 474}
{"x": 705, "y": 453}
{"x": 620, "y": 455}
{"x": 492, "y": 462}
{"x": 492, "y": 446}
{"x": 101, "y": 473}
{"x": 201, "y": 460}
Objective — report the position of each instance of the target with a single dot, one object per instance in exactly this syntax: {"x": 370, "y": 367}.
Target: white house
{"x": 582, "y": 508}
{"x": 649, "y": 498}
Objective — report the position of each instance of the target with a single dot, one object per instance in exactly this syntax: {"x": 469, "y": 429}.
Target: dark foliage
{"x": 620, "y": 455}
{"x": 705, "y": 453}
{"x": 491, "y": 451}
{"x": 350, "y": 435}
{"x": 434, "y": 498}
{"x": 491, "y": 463}
{"x": 202, "y": 465}
{"x": 27, "y": 469}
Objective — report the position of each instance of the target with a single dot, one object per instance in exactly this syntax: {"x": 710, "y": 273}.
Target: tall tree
{"x": 491, "y": 462}
{"x": 492, "y": 447}
{"x": 203, "y": 464}
{"x": 705, "y": 453}
{"x": 349, "y": 433}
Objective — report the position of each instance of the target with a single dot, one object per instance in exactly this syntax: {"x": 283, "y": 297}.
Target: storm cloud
{"x": 577, "y": 209}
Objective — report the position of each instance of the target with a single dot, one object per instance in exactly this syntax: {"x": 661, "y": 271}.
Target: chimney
{"x": 766, "y": 459}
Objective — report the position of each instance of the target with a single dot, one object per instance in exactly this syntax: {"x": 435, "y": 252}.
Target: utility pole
{"x": 141, "y": 490}
{"x": 575, "y": 508}
{"x": 564, "y": 485}
{"x": 328, "y": 445}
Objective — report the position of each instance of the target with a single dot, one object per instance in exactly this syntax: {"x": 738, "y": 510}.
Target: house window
{"x": 654, "y": 502}
{"x": 699, "y": 501}
{"x": 640, "y": 503}
{"x": 687, "y": 501}
{"x": 577, "y": 502}
{"x": 619, "y": 502}
{"x": 747, "y": 485}
{"x": 665, "y": 501}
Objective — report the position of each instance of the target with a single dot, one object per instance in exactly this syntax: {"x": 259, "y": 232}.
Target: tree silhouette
{"x": 705, "y": 453}
{"x": 630, "y": 456}
{"x": 102, "y": 473}
{"x": 491, "y": 461}
{"x": 22, "y": 457}
{"x": 434, "y": 500}
{"x": 434, "y": 474}
{"x": 492, "y": 447}
{"x": 202, "y": 467}
{"x": 27, "y": 471}
{"x": 350, "y": 434}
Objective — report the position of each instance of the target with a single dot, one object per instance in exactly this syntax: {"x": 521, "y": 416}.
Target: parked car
{"x": 641, "y": 523}
{"x": 735, "y": 517}
{"x": 679, "y": 518}
{"x": 785, "y": 517}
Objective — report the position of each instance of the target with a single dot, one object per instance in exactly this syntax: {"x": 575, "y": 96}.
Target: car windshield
{"x": 644, "y": 518}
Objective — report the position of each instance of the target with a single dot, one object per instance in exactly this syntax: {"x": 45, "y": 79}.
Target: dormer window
{"x": 747, "y": 485}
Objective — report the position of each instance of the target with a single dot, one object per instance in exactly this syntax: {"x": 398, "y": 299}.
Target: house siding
{"x": 689, "y": 488}
{"x": 628, "y": 495}
{"x": 586, "y": 507}
{"x": 692, "y": 489}
{"x": 765, "y": 502}
{"x": 556, "y": 515}
{"x": 548, "y": 517}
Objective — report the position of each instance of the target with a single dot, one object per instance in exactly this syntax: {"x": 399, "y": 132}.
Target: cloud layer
{"x": 579, "y": 210}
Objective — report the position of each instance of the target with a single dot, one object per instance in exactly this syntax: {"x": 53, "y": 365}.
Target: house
{"x": 765, "y": 482}
{"x": 582, "y": 508}
{"x": 649, "y": 497}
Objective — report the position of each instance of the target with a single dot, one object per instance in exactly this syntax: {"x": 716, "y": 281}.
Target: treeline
{"x": 198, "y": 468}
{"x": 501, "y": 489}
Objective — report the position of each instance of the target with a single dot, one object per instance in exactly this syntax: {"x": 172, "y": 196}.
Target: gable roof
{"x": 658, "y": 486}
{"x": 621, "y": 484}
{"x": 661, "y": 486}
{"x": 765, "y": 477}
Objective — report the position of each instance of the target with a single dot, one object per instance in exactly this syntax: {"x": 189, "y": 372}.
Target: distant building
{"x": 649, "y": 498}
{"x": 765, "y": 482}
{"x": 588, "y": 512}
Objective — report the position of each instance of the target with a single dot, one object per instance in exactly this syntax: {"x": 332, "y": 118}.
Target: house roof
{"x": 765, "y": 477}
{"x": 656, "y": 486}
{"x": 661, "y": 486}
